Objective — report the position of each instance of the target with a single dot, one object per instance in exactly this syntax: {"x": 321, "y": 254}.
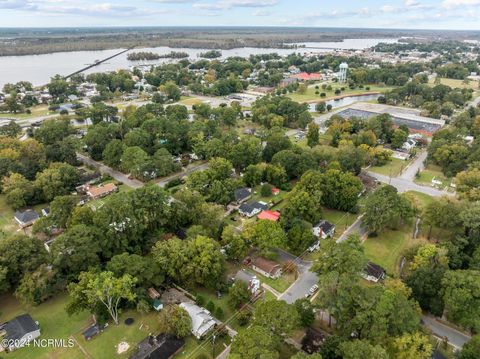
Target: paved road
{"x": 301, "y": 287}
{"x": 417, "y": 165}
{"x": 455, "y": 337}
{"x": 405, "y": 185}
{"x": 201, "y": 167}
{"x": 119, "y": 176}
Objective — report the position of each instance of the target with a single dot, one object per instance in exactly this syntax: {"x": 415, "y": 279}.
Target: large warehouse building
{"x": 400, "y": 116}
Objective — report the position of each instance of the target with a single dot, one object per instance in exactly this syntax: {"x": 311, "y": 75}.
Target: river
{"x": 38, "y": 69}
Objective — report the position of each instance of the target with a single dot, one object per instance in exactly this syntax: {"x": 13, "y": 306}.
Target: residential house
{"x": 275, "y": 191}
{"x": 26, "y": 218}
{"x": 163, "y": 346}
{"x": 409, "y": 144}
{"x": 266, "y": 267}
{"x": 373, "y": 272}
{"x": 92, "y": 331}
{"x": 202, "y": 320}
{"x": 19, "y": 332}
{"x": 249, "y": 279}
{"x": 323, "y": 229}
{"x": 287, "y": 82}
{"x": 268, "y": 215}
{"x": 242, "y": 194}
{"x": 95, "y": 192}
{"x": 252, "y": 208}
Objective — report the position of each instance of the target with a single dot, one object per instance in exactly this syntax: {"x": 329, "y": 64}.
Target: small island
{"x": 212, "y": 54}
{"x": 142, "y": 55}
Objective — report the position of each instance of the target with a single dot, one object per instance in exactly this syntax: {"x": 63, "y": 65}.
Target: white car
{"x": 312, "y": 291}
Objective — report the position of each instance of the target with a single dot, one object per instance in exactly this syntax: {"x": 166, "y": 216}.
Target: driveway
{"x": 357, "y": 227}
{"x": 414, "y": 167}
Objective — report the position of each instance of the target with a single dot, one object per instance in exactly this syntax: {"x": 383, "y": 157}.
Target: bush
{"x": 367, "y": 88}
{"x": 173, "y": 183}
{"x": 338, "y": 92}
{"x": 219, "y": 313}
{"x": 266, "y": 190}
{"x": 200, "y": 300}
{"x": 210, "y": 306}
{"x": 323, "y": 94}
{"x": 243, "y": 317}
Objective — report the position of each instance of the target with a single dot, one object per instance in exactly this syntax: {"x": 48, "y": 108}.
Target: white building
{"x": 202, "y": 320}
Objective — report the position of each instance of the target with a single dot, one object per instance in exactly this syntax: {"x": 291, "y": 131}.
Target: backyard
{"x": 456, "y": 83}
{"x": 388, "y": 247}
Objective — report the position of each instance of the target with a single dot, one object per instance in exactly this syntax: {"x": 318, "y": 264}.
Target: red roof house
{"x": 269, "y": 215}
{"x": 305, "y": 76}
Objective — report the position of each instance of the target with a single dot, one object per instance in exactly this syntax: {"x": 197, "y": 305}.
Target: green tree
{"x": 359, "y": 349}
{"x": 305, "y": 310}
{"x": 145, "y": 269}
{"x": 94, "y": 288}
{"x": 462, "y": 298}
{"x": 254, "y": 342}
{"x": 36, "y": 287}
{"x": 300, "y": 205}
{"x": 399, "y": 137}
{"x": 412, "y": 346}
{"x": 113, "y": 152}
{"x": 277, "y": 316}
{"x": 76, "y": 250}
{"x": 135, "y": 161}
{"x": 239, "y": 294}
{"x": 57, "y": 180}
{"x": 471, "y": 349}
{"x": 264, "y": 234}
{"x": 19, "y": 255}
{"x": 313, "y": 135}
{"x": 12, "y": 129}
{"x": 19, "y": 191}
{"x": 234, "y": 243}
{"x": 385, "y": 208}
{"x": 340, "y": 190}
{"x": 176, "y": 320}
{"x": 468, "y": 184}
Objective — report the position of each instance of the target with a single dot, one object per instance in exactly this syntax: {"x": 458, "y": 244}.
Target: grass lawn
{"x": 392, "y": 168}
{"x": 189, "y": 101}
{"x": 221, "y": 302}
{"x": 7, "y": 223}
{"x": 456, "y": 83}
{"x": 105, "y": 344}
{"x": 341, "y": 220}
{"x": 280, "y": 284}
{"x": 431, "y": 172}
{"x": 421, "y": 199}
{"x": 387, "y": 248}
{"x": 256, "y": 196}
{"x": 310, "y": 96}
{"x": 40, "y": 110}
{"x": 54, "y": 324}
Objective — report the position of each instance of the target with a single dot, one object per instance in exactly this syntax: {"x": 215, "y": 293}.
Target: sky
{"x": 404, "y": 14}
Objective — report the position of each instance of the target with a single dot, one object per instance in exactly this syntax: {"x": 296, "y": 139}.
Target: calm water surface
{"x": 38, "y": 69}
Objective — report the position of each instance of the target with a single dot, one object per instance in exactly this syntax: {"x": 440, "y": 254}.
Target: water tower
{"x": 343, "y": 72}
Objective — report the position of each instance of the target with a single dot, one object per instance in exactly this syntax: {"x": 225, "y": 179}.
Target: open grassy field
{"x": 310, "y": 96}
{"x": 280, "y": 284}
{"x": 456, "y": 83}
{"x": 388, "y": 247}
{"x": 392, "y": 168}
{"x": 36, "y": 111}
{"x": 189, "y": 101}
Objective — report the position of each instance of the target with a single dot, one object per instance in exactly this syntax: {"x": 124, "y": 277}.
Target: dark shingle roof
{"x": 249, "y": 207}
{"x": 374, "y": 270}
{"x": 164, "y": 347}
{"x": 27, "y": 216}
{"x": 242, "y": 193}
{"x": 18, "y": 327}
{"x": 326, "y": 226}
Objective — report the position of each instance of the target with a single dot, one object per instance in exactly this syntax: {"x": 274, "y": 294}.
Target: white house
{"x": 323, "y": 229}
{"x": 202, "y": 320}
{"x": 373, "y": 272}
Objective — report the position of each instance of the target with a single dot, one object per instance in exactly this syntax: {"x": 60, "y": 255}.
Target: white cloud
{"x": 261, "y": 13}
{"x": 229, "y": 4}
{"x": 450, "y": 4}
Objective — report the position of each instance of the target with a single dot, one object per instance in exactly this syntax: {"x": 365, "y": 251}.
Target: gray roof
{"x": 326, "y": 226}
{"x": 251, "y": 206}
{"x": 244, "y": 276}
{"x": 20, "y": 326}
{"x": 27, "y": 216}
{"x": 242, "y": 193}
{"x": 161, "y": 347}
{"x": 374, "y": 270}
